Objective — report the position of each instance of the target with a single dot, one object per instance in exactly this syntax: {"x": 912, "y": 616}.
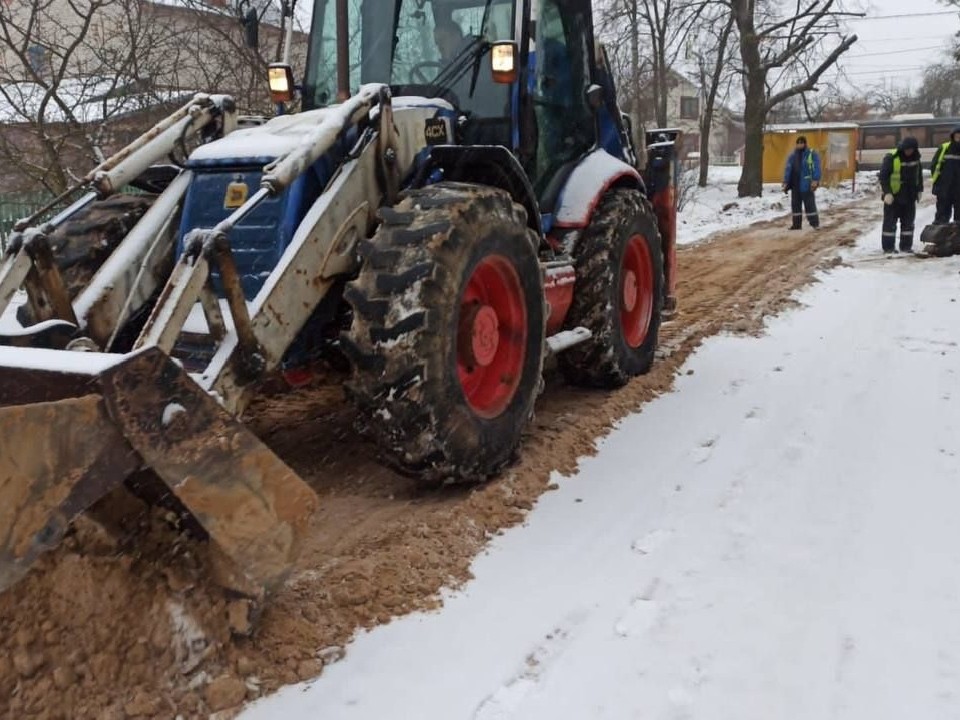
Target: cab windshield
{"x": 420, "y": 47}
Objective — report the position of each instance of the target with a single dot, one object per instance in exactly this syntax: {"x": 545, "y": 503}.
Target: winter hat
{"x": 955, "y": 131}
{"x": 910, "y": 143}
{"x": 802, "y": 139}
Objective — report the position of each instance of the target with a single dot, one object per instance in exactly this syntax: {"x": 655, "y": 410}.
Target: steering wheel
{"x": 416, "y": 72}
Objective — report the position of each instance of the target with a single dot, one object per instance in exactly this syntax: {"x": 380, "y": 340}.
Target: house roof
{"x": 797, "y": 127}
{"x": 88, "y": 99}
{"x": 688, "y": 75}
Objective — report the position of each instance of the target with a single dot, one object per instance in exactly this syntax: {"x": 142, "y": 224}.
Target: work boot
{"x": 794, "y": 227}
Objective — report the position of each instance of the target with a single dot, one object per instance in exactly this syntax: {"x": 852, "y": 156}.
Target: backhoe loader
{"x": 440, "y": 216}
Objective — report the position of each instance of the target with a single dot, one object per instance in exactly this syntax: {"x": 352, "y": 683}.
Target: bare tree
{"x": 715, "y": 67}
{"x": 214, "y": 54}
{"x": 660, "y": 26}
{"x": 71, "y": 69}
{"x": 792, "y": 42}
{"x": 955, "y": 50}
{"x": 836, "y": 103}
{"x": 666, "y": 24}
{"x": 619, "y": 28}
{"x": 890, "y": 100}
{"x": 939, "y": 91}
{"x": 79, "y": 77}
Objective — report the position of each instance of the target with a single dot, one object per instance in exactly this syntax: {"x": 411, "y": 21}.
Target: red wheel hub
{"x": 636, "y": 304}
{"x": 479, "y": 335}
{"x": 492, "y": 336}
{"x": 298, "y": 377}
{"x": 631, "y": 291}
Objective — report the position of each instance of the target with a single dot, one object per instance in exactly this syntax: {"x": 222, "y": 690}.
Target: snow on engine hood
{"x": 277, "y": 136}
{"x": 283, "y": 133}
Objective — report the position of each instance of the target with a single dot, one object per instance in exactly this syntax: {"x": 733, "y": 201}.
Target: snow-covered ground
{"x": 717, "y": 207}
{"x": 778, "y": 538}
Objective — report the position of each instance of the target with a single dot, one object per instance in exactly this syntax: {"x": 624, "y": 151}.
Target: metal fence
{"x": 17, "y": 205}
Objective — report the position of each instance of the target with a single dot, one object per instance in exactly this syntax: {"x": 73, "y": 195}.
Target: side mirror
{"x": 281, "y": 82}
{"x": 504, "y": 57}
{"x": 594, "y": 95}
{"x": 251, "y": 29}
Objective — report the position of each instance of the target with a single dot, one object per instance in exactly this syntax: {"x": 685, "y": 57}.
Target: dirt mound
{"x": 128, "y": 629}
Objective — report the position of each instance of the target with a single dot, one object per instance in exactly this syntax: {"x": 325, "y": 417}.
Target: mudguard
{"x": 597, "y": 173}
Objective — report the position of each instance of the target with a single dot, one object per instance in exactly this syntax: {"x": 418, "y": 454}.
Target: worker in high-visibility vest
{"x": 901, "y": 179}
{"x": 801, "y": 177}
{"x": 945, "y": 173}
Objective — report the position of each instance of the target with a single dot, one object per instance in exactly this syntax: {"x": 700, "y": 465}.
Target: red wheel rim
{"x": 636, "y": 291}
{"x": 492, "y": 336}
{"x": 298, "y": 377}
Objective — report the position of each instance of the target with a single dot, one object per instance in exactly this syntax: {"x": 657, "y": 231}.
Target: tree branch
{"x": 811, "y": 82}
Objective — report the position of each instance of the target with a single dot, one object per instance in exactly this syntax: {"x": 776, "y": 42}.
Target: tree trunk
{"x": 756, "y": 66}
{"x": 663, "y": 89}
{"x": 754, "y": 118}
{"x": 636, "y": 112}
{"x": 710, "y": 102}
{"x": 755, "y": 99}
{"x": 704, "y": 149}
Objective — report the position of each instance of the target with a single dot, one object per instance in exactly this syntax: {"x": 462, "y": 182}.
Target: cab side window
{"x": 565, "y": 126}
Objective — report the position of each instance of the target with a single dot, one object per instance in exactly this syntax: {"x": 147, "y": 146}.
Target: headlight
{"x": 503, "y": 61}
{"x": 281, "y": 82}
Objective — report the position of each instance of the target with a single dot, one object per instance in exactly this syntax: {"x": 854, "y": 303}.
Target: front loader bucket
{"x": 75, "y": 425}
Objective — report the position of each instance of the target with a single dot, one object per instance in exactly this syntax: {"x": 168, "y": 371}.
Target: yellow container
{"x": 836, "y": 143}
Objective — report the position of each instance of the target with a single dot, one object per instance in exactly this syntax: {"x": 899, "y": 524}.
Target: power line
{"x": 875, "y": 71}
{"x": 896, "y": 52}
{"x": 904, "y": 15}
{"x": 884, "y": 71}
{"x": 892, "y": 39}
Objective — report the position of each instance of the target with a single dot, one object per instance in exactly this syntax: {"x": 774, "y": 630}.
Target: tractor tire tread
{"x": 605, "y": 360}
{"x": 399, "y": 335}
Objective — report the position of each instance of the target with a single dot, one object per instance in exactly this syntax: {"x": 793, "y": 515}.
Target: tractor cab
{"x": 517, "y": 75}
{"x": 433, "y": 49}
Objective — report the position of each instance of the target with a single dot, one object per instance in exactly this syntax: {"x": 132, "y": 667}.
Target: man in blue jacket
{"x": 802, "y": 178}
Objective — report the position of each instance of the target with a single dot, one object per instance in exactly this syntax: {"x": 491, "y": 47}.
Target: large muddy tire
{"x": 81, "y": 245}
{"x": 447, "y": 336}
{"x": 618, "y": 295}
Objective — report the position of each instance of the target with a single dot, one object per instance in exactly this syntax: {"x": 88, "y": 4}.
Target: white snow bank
{"x": 776, "y": 539}
{"x": 717, "y": 207}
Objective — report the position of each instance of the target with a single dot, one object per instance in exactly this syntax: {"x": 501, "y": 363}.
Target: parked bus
{"x": 878, "y": 137}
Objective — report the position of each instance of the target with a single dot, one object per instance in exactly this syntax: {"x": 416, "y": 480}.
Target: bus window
{"x": 879, "y": 138}
{"x": 922, "y": 134}
{"x": 941, "y": 134}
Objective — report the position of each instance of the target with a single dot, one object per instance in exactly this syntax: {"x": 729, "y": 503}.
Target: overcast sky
{"x": 896, "y": 38}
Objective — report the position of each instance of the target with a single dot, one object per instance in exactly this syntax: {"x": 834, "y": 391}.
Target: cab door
{"x": 565, "y": 127}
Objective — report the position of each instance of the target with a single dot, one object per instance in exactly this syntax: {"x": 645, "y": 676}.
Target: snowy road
{"x": 779, "y": 538}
